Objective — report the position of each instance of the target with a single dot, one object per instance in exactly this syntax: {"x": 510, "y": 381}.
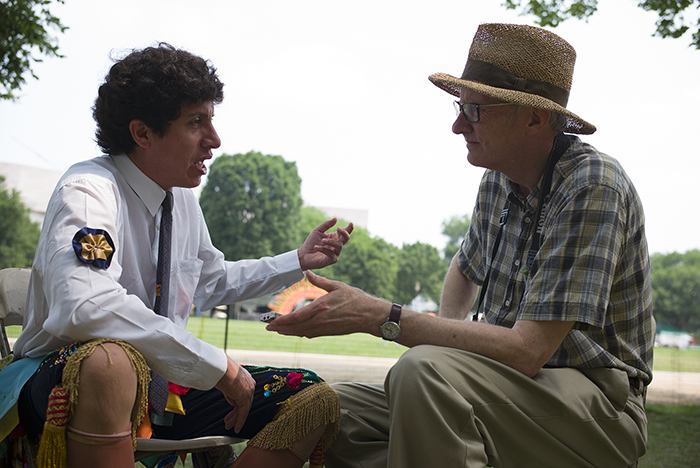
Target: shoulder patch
{"x": 94, "y": 247}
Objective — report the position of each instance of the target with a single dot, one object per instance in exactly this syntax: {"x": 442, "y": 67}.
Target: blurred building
{"x": 35, "y": 186}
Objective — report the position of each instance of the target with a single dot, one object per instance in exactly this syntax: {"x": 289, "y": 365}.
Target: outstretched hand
{"x": 342, "y": 311}
{"x": 321, "y": 248}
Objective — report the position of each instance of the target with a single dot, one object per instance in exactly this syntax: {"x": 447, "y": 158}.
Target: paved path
{"x": 667, "y": 387}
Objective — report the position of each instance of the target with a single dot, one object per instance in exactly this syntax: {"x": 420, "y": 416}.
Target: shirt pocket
{"x": 183, "y": 281}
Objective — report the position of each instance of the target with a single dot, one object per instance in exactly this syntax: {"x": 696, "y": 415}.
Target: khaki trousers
{"x": 442, "y": 407}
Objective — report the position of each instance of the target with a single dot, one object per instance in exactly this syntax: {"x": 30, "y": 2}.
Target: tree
{"x": 368, "y": 263}
{"x": 672, "y": 21}
{"x": 252, "y": 204}
{"x": 309, "y": 218}
{"x": 19, "y": 234}
{"x": 454, "y": 229}
{"x": 24, "y": 25}
{"x": 675, "y": 280}
{"x": 420, "y": 270}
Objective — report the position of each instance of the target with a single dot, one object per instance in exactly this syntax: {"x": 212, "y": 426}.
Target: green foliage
{"x": 675, "y": 280}
{"x": 19, "y": 234}
{"x": 420, "y": 270}
{"x": 378, "y": 267}
{"x": 252, "y": 203}
{"x": 368, "y": 263}
{"x": 672, "y": 20}
{"x": 454, "y": 229}
{"x": 311, "y": 217}
{"x": 553, "y": 12}
{"x": 24, "y": 26}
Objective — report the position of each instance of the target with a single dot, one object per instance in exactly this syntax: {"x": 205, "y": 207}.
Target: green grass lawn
{"x": 251, "y": 335}
{"x": 676, "y": 360}
{"x": 673, "y": 437}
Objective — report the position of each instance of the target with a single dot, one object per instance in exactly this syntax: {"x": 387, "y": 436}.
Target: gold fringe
{"x": 52, "y": 450}
{"x": 53, "y": 440}
{"x": 300, "y": 414}
{"x": 71, "y": 377}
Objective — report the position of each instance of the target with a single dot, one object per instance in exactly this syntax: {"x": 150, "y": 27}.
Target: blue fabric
{"x": 13, "y": 378}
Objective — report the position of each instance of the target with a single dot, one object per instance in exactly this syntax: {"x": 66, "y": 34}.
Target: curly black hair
{"x": 151, "y": 85}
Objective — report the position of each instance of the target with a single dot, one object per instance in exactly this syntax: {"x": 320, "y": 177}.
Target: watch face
{"x": 390, "y": 331}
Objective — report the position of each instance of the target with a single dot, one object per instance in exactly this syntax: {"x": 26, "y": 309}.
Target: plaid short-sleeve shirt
{"x": 592, "y": 267}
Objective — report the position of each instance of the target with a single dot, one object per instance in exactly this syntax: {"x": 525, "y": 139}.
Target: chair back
{"x": 14, "y": 283}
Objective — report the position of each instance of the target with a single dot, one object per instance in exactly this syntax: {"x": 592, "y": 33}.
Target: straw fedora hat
{"x": 520, "y": 64}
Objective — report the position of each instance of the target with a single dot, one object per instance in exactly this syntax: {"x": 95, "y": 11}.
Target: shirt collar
{"x": 150, "y": 193}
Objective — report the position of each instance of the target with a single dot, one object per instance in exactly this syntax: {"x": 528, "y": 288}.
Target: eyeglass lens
{"x": 469, "y": 109}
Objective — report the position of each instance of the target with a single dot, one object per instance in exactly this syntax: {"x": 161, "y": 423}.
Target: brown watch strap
{"x": 395, "y": 315}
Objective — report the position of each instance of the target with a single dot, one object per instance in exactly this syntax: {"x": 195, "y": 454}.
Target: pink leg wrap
{"x": 103, "y": 450}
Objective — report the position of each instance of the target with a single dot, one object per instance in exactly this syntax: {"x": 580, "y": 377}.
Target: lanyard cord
{"x": 560, "y": 145}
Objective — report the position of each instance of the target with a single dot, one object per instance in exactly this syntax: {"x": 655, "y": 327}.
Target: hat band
{"x": 491, "y": 75}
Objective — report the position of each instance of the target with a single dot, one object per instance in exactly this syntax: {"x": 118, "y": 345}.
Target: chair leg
{"x": 226, "y": 454}
{"x": 202, "y": 459}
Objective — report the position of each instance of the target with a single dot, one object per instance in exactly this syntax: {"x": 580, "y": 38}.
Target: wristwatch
{"x": 391, "y": 329}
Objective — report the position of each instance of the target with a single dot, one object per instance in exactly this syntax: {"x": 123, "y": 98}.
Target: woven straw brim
{"x": 452, "y": 85}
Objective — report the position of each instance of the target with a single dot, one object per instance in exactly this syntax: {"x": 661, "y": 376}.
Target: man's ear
{"x": 140, "y": 132}
{"x": 539, "y": 120}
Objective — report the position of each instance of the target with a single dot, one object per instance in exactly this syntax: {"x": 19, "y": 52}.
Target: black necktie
{"x": 158, "y": 389}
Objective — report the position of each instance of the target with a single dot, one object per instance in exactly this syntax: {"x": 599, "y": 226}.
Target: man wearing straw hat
{"x": 554, "y": 372}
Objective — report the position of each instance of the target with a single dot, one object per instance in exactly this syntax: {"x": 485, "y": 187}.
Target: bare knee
{"x": 107, "y": 391}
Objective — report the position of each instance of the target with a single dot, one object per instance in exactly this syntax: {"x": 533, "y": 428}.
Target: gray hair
{"x": 558, "y": 122}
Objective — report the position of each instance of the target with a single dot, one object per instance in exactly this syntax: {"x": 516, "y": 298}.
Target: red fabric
{"x": 178, "y": 389}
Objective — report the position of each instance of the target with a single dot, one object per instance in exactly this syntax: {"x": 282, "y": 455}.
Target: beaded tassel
{"x": 52, "y": 450}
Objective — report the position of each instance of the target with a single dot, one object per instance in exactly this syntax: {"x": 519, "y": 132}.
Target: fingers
{"x": 231, "y": 418}
{"x": 320, "y": 281}
{"x": 247, "y": 385}
{"x": 326, "y": 225}
{"x": 242, "y": 416}
{"x": 238, "y": 388}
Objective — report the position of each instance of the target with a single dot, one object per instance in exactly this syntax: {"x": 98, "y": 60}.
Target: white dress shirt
{"x": 69, "y": 300}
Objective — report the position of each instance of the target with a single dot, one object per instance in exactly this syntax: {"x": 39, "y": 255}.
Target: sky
{"x": 342, "y": 89}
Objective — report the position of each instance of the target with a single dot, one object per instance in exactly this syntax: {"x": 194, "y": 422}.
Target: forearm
{"x": 458, "y": 293}
{"x": 526, "y": 347}
{"x": 344, "y": 310}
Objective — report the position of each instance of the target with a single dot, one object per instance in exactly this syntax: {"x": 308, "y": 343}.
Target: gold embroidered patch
{"x": 94, "y": 247}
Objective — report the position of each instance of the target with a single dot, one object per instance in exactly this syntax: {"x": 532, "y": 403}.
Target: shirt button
{"x": 507, "y": 303}
{"x": 527, "y": 220}
{"x": 517, "y": 263}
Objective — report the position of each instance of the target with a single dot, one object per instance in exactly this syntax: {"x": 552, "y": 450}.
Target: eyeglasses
{"x": 470, "y": 110}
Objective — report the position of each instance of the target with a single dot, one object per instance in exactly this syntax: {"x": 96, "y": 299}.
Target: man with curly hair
{"x": 124, "y": 253}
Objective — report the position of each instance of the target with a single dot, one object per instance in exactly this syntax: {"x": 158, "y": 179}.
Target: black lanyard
{"x": 560, "y": 145}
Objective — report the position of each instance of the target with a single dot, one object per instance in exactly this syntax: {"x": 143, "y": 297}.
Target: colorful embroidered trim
{"x": 60, "y": 356}
{"x": 307, "y": 375}
{"x": 292, "y": 380}
{"x": 94, "y": 247}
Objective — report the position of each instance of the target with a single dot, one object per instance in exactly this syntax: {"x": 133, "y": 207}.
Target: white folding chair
{"x": 14, "y": 283}
{"x": 13, "y": 293}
